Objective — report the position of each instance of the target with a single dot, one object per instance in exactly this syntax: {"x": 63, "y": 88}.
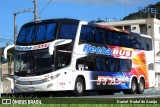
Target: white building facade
{"x": 149, "y": 26}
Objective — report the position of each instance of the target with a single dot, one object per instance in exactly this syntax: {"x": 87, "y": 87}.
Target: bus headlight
{"x": 48, "y": 79}
{"x": 16, "y": 81}
{"x": 52, "y": 77}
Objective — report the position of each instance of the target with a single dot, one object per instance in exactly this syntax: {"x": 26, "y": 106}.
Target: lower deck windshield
{"x": 32, "y": 63}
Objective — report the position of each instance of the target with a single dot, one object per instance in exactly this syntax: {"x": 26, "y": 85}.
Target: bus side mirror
{"x": 57, "y": 43}
{"x": 6, "y": 49}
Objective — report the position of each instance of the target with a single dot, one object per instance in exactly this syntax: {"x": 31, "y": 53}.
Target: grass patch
{"x": 84, "y": 105}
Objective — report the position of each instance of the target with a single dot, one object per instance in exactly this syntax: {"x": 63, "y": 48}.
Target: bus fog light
{"x": 48, "y": 79}
{"x": 49, "y": 85}
{"x": 16, "y": 81}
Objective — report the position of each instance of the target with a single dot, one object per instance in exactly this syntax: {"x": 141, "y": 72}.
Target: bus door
{"x": 63, "y": 59}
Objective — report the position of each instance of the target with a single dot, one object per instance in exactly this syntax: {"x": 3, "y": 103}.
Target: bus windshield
{"x": 37, "y": 33}
{"x": 33, "y": 63}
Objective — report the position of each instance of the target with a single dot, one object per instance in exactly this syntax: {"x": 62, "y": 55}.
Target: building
{"x": 149, "y": 26}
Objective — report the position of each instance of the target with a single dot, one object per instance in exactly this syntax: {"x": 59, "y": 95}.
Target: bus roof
{"x": 53, "y": 20}
{"x": 112, "y": 28}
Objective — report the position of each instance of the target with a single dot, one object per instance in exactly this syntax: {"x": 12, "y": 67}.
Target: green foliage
{"x": 139, "y": 15}
{"x": 84, "y": 105}
{"x": 11, "y": 52}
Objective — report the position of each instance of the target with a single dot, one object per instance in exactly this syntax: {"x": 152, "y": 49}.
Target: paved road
{"x": 121, "y": 95}
{"x": 87, "y": 95}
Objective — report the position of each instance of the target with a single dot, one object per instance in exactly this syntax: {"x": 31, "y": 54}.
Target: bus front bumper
{"x": 47, "y": 86}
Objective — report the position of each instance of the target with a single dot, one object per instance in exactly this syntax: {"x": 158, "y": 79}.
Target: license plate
{"x": 31, "y": 89}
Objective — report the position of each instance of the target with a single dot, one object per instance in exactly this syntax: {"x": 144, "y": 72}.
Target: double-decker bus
{"x": 77, "y": 56}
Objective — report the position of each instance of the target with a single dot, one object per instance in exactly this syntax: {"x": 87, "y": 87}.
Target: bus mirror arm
{"x": 57, "y": 43}
{"x": 6, "y": 49}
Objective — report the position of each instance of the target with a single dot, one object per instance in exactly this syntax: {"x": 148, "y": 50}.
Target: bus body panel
{"x": 101, "y": 66}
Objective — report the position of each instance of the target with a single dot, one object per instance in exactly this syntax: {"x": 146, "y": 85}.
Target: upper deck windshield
{"x": 37, "y": 33}
{"x": 47, "y": 31}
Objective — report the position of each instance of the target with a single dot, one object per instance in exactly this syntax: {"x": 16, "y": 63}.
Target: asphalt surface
{"x": 86, "y": 95}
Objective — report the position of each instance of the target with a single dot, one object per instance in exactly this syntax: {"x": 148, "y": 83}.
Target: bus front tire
{"x": 79, "y": 87}
{"x": 141, "y": 86}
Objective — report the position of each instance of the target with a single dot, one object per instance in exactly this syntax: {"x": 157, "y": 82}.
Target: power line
{"x": 45, "y": 6}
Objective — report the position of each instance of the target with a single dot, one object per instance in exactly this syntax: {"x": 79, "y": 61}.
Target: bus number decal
{"x": 41, "y": 46}
{"x": 109, "y": 80}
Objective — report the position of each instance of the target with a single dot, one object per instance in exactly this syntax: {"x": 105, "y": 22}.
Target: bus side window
{"x": 104, "y": 36}
{"x": 97, "y": 36}
{"x": 68, "y": 31}
{"x": 86, "y": 34}
{"x": 86, "y": 63}
{"x": 100, "y": 64}
{"x": 64, "y": 55}
{"x": 117, "y": 38}
{"x": 149, "y": 44}
{"x": 125, "y": 40}
{"x": 125, "y": 65}
{"x": 135, "y": 42}
{"x": 111, "y": 39}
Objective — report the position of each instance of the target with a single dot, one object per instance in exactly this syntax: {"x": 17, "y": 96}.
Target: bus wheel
{"x": 133, "y": 89}
{"x": 141, "y": 86}
{"x": 79, "y": 87}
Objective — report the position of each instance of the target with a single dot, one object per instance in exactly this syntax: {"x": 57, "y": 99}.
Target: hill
{"x": 143, "y": 14}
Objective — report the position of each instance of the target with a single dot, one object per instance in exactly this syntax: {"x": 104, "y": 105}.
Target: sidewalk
{"x": 155, "y": 89}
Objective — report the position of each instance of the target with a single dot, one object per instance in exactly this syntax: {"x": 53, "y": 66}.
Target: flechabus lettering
{"x": 97, "y": 50}
{"x": 102, "y": 50}
{"x": 23, "y": 48}
{"x": 119, "y": 52}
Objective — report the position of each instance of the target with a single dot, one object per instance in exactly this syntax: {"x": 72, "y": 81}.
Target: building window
{"x": 143, "y": 29}
{"x": 133, "y": 28}
{"x": 127, "y": 28}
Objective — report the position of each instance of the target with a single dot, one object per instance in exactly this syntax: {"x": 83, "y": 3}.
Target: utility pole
{"x": 15, "y": 24}
{"x": 15, "y": 28}
{"x": 15, "y": 35}
{"x": 35, "y": 11}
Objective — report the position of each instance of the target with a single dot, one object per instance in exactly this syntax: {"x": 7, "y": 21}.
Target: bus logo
{"x": 34, "y": 47}
{"x": 102, "y": 50}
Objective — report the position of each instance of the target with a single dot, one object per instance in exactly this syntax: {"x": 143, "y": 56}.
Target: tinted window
{"x": 93, "y": 34}
{"x": 134, "y": 41}
{"x": 104, "y": 64}
{"x": 125, "y": 40}
{"x": 125, "y": 65}
{"x": 148, "y": 44}
{"x": 67, "y": 31}
{"x": 37, "y": 33}
{"x": 87, "y": 34}
{"x": 111, "y": 39}
{"x": 97, "y": 36}
{"x": 103, "y": 36}
{"x": 140, "y": 42}
{"x": 114, "y": 38}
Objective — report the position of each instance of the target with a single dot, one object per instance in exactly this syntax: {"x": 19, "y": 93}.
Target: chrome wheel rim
{"x": 79, "y": 87}
{"x": 141, "y": 86}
